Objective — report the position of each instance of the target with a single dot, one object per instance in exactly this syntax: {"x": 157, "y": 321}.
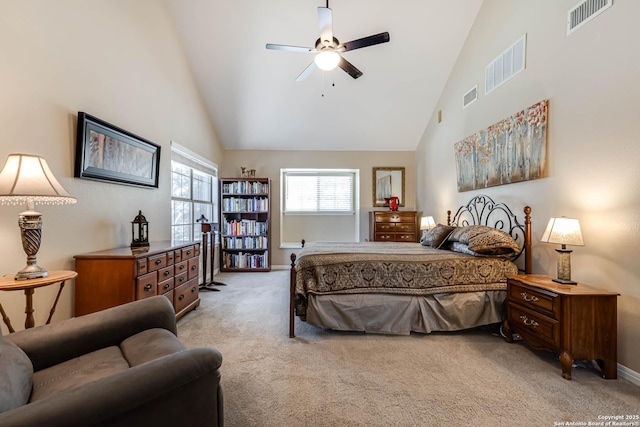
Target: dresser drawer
{"x": 529, "y": 322}
{"x": 185, "y": 295}
{"x": 395, "y": 217}
{"x": 180, "y": 279}
{"x": 539, "y": 300}
{"x": 146, "y": 285}
{"x": 194, "y": 264}
{"x": 384, "y": 237}
{"x": 405, "y": 237}
{"x": 157, "y": 262}
{"x": 385, "y": 227}
{"x": 142, "y": 266}
{"x": 165, "y": 286}
{"x": 188, "y": 252}
{"x": 405, "y": 227}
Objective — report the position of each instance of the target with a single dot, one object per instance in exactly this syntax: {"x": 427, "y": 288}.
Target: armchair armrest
{"x": 179, "y": 389}
{"x": 49, "y": 345}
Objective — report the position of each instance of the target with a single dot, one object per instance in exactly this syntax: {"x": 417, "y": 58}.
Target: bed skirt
{"x": 402, "y": 314}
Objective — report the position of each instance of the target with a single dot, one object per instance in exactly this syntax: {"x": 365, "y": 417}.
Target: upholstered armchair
{"x": 123, "y": 366}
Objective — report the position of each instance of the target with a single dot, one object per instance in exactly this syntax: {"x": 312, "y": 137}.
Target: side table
{"x": 576, "y": 321}
{"x": 8, "y": 283}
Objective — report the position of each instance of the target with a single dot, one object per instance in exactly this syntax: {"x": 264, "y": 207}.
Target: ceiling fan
{"x": 328, "y": 49}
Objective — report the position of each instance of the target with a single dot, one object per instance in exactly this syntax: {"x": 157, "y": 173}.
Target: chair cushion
{"x": 16, "y": 372}
{"x": 150, "y": 345}
{"x": 77, "y": 371}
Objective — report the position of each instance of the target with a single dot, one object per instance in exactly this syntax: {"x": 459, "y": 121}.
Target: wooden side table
{"x": 8, "y": 283}
{"x": 576, "y": 321}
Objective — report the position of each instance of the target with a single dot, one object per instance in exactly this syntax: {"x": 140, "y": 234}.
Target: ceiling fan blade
{"x": 365, "y": 41}
{"x": 306, "y": 72}
{"x": 325, "y": 19}
{"x": 290, "y": 48}
{"x": 349, "y": 68}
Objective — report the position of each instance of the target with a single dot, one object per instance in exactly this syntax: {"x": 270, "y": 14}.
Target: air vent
{"x": 469, "y": 97}
{"x": 584, "y": 12}
{"x": 506, "y": 65}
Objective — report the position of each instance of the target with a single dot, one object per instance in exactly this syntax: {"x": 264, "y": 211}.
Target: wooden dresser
{"x": 576, "y": 321}
{"x": 394, "y": 226}
{"x": 118, "y": 276}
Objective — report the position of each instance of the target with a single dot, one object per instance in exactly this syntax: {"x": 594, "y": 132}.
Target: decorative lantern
{"x": 139, "y": 231}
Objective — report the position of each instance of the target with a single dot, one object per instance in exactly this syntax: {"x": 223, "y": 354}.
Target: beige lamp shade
{"x": 427, "y": 223}
{"x": 564, "y": 231}
{"x": 26, "y": 178}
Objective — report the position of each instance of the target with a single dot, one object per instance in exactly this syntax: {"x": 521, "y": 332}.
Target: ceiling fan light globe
{"x": 327, "y": 60}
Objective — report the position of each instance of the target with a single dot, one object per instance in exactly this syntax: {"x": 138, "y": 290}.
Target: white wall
{"x": 119, "y": 61}
{"x": 591, "y": 80}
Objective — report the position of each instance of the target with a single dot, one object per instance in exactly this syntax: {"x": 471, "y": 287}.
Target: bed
{"x": 454, "y": 279}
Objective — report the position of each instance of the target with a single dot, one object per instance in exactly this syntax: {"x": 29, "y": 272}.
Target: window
{"x": 317, "y": 191}
{"x": 319, "y": 204}
{"x": 193, "y": 194}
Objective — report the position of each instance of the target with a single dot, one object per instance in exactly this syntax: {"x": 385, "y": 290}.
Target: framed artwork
{"x": 387, "y": 182}
{"x": 105, "y": 152}
{"x": 512, "y": 150}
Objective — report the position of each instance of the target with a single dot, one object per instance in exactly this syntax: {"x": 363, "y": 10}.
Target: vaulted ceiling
{"x": 255, "y": 103}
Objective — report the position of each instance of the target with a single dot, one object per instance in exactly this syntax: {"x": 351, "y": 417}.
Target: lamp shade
{"x": 427, "y": 223}
{"x": 327, "y": 60}
{"x": 564, "y": 231}
{"x": 26, "y": 178}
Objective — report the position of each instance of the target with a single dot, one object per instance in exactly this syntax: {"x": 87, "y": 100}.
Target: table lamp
{"x": 564, "y": 231}
{"x": 27, "y": 179}
{"x": 426, "y": 223}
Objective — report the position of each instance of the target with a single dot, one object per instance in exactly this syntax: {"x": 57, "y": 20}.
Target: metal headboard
{"x": 483, "y": 210}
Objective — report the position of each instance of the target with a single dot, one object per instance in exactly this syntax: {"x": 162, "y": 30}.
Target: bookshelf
{"x": 245, "y": 224}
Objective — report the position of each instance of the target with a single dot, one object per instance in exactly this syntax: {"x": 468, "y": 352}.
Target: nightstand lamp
{"x": 563, "y": 231}
{"x": 27, "y": 179}
{"x": 426, "y": 223}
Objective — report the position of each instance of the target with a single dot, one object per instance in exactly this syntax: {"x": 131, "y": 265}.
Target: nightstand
{"x": 576, "y": 321}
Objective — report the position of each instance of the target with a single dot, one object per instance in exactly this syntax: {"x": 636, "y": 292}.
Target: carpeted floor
{"x": 327, "y": 378}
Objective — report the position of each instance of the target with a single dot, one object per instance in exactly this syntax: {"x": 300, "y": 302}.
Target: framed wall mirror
{"x": 388, "y": 182}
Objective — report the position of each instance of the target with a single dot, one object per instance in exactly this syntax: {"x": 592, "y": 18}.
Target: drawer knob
{"x": 166, "y": 286}
{"x": 181, "y": 297}
{"x": 193, "y": 289}
{"x": 193, "y": 267}
{"x": 147, "y": 287}
{"x": 528, "y": 298}
{"x": 181, "y": 279}
{"x": 529, "y": 322}
{"x": 181, "y": 267}
{"x": 158, "y": 262}
{"x": 166, "y": 273}
{"x": 188, "y": 252}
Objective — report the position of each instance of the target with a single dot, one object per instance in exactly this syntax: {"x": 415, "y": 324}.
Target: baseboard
{"x": 628, "y": 374}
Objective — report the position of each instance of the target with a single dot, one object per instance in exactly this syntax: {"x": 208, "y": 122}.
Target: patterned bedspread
{"x": 395, "y": 268}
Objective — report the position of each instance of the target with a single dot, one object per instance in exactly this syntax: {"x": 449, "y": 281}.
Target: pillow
{"x": 16, "y": 373}
{"x": 464, "y": 249}
{"x": 436, "y": 236}
{"x": 485, "y": 240}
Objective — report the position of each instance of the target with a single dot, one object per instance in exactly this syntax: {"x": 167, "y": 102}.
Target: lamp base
{"x": 565, "y": 282}
{"x": 32, "y": 271}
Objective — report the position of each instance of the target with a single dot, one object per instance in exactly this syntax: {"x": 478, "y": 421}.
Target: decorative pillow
{"x": 436, "y": 236}
{"x": 485, "y": 240}
{"x": 464, "y": 249}
{"x": 16, "y": 372}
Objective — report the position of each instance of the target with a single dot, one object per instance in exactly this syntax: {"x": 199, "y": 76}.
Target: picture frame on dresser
{"x": 387, "y": 182}
{"x": 105, "y": 152}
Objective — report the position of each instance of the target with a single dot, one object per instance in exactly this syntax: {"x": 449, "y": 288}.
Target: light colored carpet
{"x": 327, "y": 378}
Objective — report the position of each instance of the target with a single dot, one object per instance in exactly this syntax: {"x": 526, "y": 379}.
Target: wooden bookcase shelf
{"x": 245, "y": 210}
